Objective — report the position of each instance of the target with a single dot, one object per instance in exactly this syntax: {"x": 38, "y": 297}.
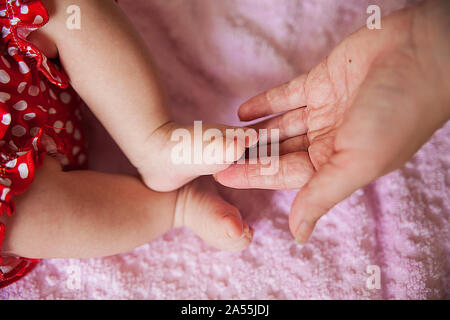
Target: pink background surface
{"x": 212, "y": 56}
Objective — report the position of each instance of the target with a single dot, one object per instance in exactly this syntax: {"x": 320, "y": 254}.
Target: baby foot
{"x": 179, "y": 154}
{"x": 201, "y": 209}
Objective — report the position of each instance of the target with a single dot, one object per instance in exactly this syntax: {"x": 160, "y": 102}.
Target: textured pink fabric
{"x": 212, "y": 56}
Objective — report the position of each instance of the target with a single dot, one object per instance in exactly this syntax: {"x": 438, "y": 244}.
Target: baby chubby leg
{"x": 110, "y": 67}
{"x": 85, "y": 214}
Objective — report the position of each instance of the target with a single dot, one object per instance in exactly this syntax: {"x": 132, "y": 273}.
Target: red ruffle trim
{"x": 17, "y": 23}
{"x": 18, "y": 18}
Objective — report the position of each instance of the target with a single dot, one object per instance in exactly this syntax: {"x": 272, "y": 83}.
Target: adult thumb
{"x": 344, "y": 173}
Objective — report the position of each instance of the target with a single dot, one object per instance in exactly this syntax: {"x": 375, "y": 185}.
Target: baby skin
{"x": 85, "y": 214}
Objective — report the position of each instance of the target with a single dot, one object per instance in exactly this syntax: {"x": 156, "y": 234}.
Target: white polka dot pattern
{"x": 39, "y": 111}
{"x": 4, "y": 77}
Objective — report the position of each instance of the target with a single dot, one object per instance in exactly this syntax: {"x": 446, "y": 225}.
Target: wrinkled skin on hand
{"x": 361, "y": 113}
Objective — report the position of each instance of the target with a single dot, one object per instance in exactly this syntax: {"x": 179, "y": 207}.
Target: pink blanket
{"x": 213, "y": 55}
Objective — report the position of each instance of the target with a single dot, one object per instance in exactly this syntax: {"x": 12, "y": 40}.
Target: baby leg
{"x": 86, "y": 214}
{"x": 110, "y": 67}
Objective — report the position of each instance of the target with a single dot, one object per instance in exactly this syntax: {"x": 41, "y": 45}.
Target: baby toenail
{"x": 246, "y": 233}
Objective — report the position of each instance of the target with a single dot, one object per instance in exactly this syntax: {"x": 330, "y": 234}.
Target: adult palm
{"x": 361, "y": 113}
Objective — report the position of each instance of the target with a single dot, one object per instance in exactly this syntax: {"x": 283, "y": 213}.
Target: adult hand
{"x": 374, "y": 101}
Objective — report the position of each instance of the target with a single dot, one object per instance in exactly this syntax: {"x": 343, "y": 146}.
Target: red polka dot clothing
{"x": 39, "y": 114}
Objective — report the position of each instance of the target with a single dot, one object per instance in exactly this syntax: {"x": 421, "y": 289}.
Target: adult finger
{"x": 290, "y": 171}
{"x": 289, "y": 124}
{"x": 295, "y": 144}
{"x": 288, "y": 96}
{"x": 291, "y": 145}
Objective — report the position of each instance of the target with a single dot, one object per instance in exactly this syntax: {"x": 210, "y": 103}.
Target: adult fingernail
{"x": 303, "y": 232}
